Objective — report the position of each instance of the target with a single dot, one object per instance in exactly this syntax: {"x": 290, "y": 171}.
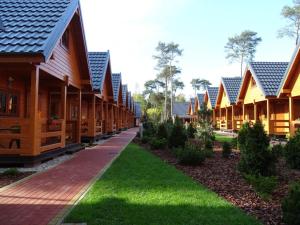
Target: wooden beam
{"x": 34, "y": 115}
{"x": 63, "y": 112}
{"x": 79, "y": 116}
{"x": 268, "y": 117}
{"x": 291, "y": 115}
{"x": 255, "y": 111}
{"x": 286, "y": 91}
{"x": 232, "y": 118}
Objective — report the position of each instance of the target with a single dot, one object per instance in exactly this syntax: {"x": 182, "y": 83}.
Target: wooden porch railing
{"x": 279, "y": 127}
{"x": 52, "y": 134}
{"x": 14, "y": 135}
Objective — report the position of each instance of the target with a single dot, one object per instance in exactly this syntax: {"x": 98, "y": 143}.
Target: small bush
{"x": 226, "y": 150}
{"x": 11, "y": 172}
{"x": 291, "y": 206}
{"x": 162, "y": 131}
{"x": 256, "y": 156}
{"x": 177, "y": 136}
{"x": 278, "y": 150}
{"x": 190, "y": 131}
{"x": 190, "y": 155}
{"x": 234, "y": 143}
{"x": 264, "y": 186}
{"x": 146, "y": 139}
{"x": 158, "y": 143}
{"x": 292, "y": 151}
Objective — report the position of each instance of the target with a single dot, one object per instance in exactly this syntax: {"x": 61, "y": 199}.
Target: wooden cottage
{"x": 191, "y": 109}
{"x": 226, "y": 111}
{"x": 125, "y": 107}
{"x": 118, "y": 100}
{"x": 43, "y": 72}
{"x": 181, "y": 110}
{"x": 199, "y": 100}
{"x": 289, "y": 91}
{"x": 258, "y": 96}
{"x": 210, "y": 98}
{"x": 102, "y": 83}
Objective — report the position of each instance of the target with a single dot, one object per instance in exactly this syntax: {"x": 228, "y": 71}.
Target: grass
{"x": 141, "y": 189}
{"x": 223, "y": 138}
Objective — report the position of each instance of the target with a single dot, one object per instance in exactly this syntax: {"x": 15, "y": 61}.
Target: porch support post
{"x": 79, "y": 116}
{"x": 226, "y": 118}
{"x": 255, "y": 111}
{"x": 63, "y": 99}
{"x": 35, "y": 129}
{"x": 268, "y": 117}
{"x": 291, "y": 115}
{"x": 93, "y": 126}
{"x": 243, "y": 112}
{"x": 232, "y": 118}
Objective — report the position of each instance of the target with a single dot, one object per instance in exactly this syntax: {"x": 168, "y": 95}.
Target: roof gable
{"x": 124, "y": 94}
{"x": 99, "y": 64}
{"x": 212, "y": 93}
{"x": 231, "y": 87}
{"x": 268, "y": 75}
{"x": 116, "y": 83}
{"x": 34, "y": 27}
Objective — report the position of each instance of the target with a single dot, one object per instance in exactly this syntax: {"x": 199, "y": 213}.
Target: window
{"x": 65, "y": 39}
{"x": 9, "y": 103}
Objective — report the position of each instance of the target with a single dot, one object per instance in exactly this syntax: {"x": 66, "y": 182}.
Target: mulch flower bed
{"x": 9, "y": 179}
{"x": 221, "y": 176}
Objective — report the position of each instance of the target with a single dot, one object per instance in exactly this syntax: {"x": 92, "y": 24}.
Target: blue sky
{"x": 131, "y": 30}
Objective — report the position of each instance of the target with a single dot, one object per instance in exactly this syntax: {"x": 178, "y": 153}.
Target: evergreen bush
{"x": 291, "y": 206}
{"x": 226, "y": 150}
{"x": 256, "y": 156}
{"x": 292, "y": 151}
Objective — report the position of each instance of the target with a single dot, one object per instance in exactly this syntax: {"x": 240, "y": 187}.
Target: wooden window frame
{"x": 9, "y": 93}
{"x": 65, "y": 37}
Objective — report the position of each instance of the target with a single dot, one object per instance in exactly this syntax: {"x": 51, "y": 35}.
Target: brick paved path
{"x": 40, "y": 199}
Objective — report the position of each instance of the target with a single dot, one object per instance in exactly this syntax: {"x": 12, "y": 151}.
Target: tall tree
{"x": 177, "y": 85}
{"x": 242, "y": 47}
{"x": 204, "y": 84}
{"x": 292, "y": 29}
{"x": 195, "y": 85}
{"x": 166, "y": 57}
{"x": 199, "y": 84}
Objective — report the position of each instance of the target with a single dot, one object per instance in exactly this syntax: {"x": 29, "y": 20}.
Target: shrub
{"x": 264, "y": 186}
{"x": 292, "y": 151}
{"x": 278, "y": 150}
{"x": 190, "y": 131}
{"x": 146, "y": 139}
{"x": 177, "y": 136}
{"x": 256, "y": 156}
{"x": 291, "y": 206}
{"x": 162, "y": 131}
{"x": 11, "y": 172}
{"x": 226, "y": 150}
{"x": 158, "y": 143}
{"x": 234, "y": 143}
{"x": 190, "y": 155}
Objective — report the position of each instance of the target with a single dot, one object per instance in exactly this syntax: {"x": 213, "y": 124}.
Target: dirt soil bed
{"x": 221, "y": 176}
{"x": 9, "y": 179}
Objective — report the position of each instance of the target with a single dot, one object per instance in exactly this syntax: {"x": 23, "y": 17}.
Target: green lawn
{"x": 223, "y": 138}
{"x": 141, "y": 189}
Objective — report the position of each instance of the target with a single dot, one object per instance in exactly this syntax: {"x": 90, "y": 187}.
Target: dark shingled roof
{"x": 180, "y": 109}
{"x": 193, "y": 103}
{"x": 98, "y": 63}
{"x": 116, "y": 83}
{"x": 138, "y": 110}
{"x": 268, "y": 75}
{"x": 232, "y": 87}
{"x": 33, "y": 26}
{"x": 212, "y": 95}
{"x": 200, "y": 98}
{"x": 124, "y": 94}
{"x": 129, "y": 100}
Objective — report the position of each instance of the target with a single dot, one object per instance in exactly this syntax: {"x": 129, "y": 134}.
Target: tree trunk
{"x": 166, "y": 99}
{"x": 171, "y": 79}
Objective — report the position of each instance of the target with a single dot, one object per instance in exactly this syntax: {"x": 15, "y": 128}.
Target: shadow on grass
{"x": 119, "y": 211}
